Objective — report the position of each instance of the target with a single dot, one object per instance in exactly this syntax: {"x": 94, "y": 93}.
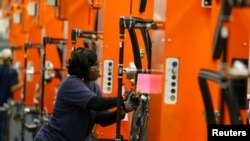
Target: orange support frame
{"x": 186, "y": 37}
{"x": 190, "y": 39}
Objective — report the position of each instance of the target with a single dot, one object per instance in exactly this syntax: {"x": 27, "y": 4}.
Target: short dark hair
{"x": 81, "y": 60}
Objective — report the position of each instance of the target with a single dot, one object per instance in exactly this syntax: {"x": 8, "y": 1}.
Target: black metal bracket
{"x": 227, "y": 97}
{"x": 78, "y": 33}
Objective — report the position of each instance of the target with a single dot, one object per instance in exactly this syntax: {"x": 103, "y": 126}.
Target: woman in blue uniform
{"x": 79, "y": 102}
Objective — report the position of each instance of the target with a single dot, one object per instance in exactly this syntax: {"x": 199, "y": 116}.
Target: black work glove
{"x": 132, "y": 102}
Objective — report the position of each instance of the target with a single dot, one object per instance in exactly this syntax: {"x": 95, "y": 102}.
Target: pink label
{"x": 149, "y": 83}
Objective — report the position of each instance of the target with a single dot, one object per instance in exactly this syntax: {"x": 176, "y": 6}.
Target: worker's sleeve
{"x": 107, "y": 118}
{"x": 98, "y": 103}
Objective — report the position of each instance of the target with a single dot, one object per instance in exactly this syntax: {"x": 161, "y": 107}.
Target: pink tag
{"x": 149, "y": 83}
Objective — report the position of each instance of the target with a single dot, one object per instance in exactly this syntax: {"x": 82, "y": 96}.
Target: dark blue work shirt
{"x": 70, "y": 120}
{"x": 8, "y": 78}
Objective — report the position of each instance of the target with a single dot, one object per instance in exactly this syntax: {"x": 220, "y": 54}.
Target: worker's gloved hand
{"x": 132, "y": 102}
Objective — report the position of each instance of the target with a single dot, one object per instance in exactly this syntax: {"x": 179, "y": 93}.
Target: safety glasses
{"x": 95, "y": 67}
